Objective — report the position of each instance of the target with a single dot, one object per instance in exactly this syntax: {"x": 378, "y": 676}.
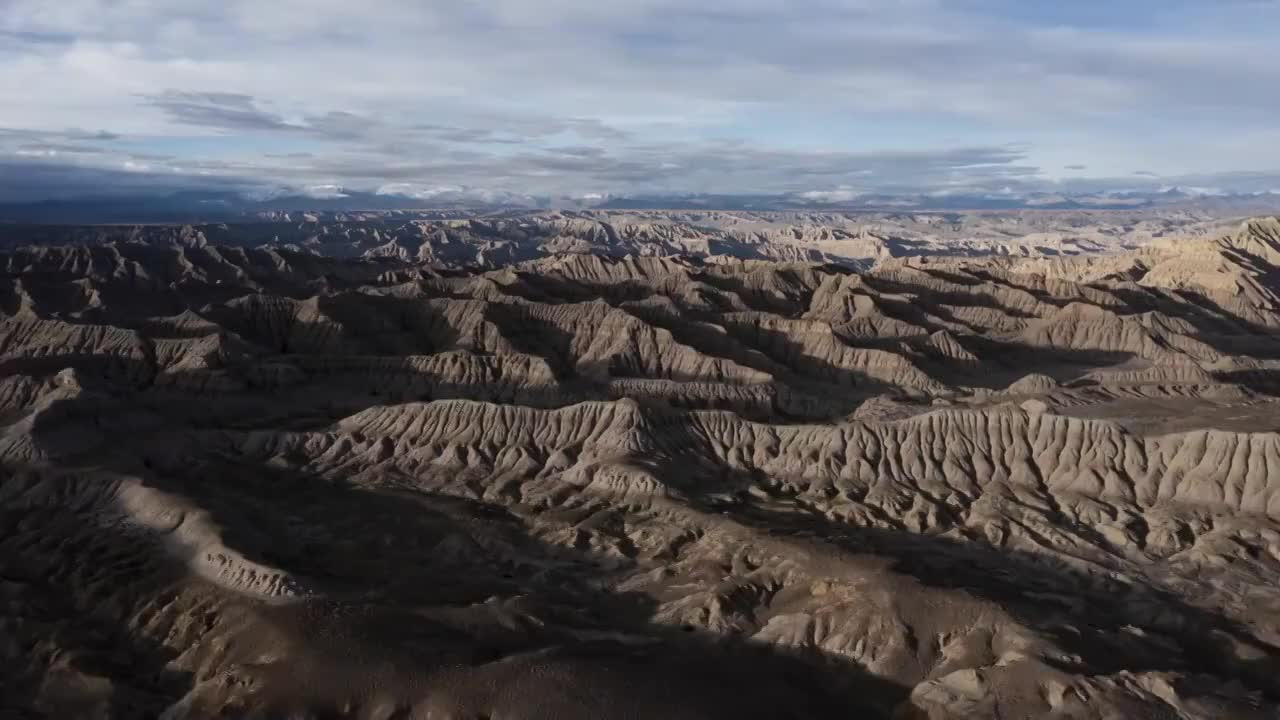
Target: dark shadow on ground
{"x": 1089, "y": 616}
{"x": 402, "y": 579}
{"x": 67, "y": 581}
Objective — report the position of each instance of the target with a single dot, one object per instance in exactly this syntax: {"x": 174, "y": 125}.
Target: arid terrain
{"x": 642, "y": 465}
{"x": 488, "y": 240}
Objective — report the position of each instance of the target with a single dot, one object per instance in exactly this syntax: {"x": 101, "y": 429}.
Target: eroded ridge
{"x": 261, "y": 481}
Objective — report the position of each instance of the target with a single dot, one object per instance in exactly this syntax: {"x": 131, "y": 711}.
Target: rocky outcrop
{"x": 643, "y": 464}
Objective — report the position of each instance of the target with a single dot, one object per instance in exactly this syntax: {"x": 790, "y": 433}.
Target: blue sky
{"x": 571, "y": 97}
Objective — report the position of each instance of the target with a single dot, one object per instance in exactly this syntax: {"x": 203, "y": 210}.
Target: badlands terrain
{"x": 469, "y": 240}
{"x": 642, "y": 465}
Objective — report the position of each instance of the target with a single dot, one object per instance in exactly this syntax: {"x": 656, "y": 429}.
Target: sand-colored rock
{"x": 688, "y": 464}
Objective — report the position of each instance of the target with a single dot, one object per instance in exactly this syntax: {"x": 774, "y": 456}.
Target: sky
{"x": 585, "y": 98}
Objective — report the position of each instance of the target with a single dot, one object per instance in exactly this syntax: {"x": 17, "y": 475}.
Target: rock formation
{"x": 654, "y": 465}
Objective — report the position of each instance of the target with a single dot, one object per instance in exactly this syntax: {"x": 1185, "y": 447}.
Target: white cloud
{"x": 323, "y": 192}
{"x": 495, "y": 92}
{"x": 418, "y": 191}
{"x": 830, "y": 196}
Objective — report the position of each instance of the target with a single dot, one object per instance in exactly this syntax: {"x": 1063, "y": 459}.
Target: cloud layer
{"x": 571, "y": 97}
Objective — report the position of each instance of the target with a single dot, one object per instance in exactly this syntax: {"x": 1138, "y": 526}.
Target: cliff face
{"x": 258, "y": 482}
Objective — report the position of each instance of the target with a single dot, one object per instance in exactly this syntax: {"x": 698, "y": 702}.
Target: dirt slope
{"x": 262, "y": 482}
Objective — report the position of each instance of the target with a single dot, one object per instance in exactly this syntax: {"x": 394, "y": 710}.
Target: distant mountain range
{"x": 226, "y": 206}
